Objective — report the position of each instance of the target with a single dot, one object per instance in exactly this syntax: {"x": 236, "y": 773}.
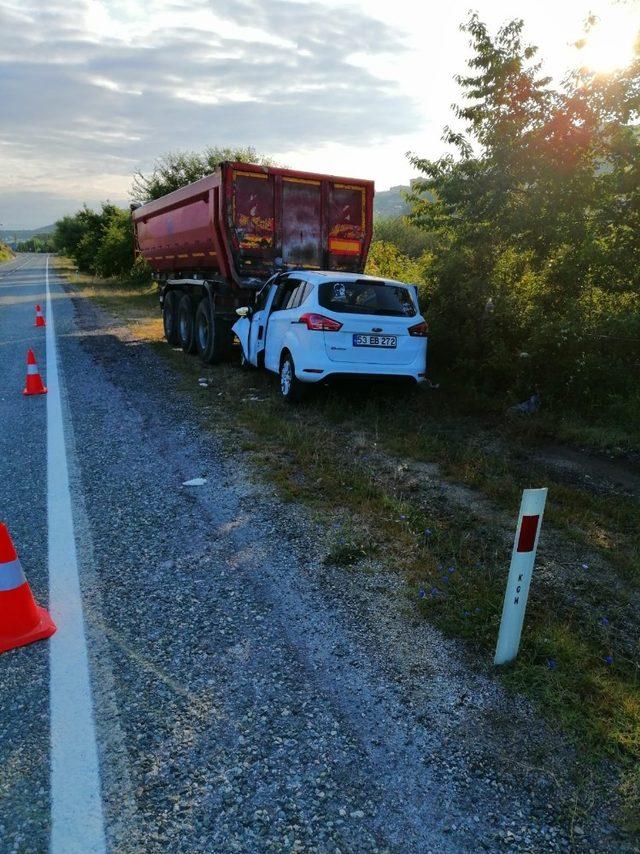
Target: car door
{"x": 279, "y": 320}
{"x": 250, "y": 329}
{"x": 264, "y": 300}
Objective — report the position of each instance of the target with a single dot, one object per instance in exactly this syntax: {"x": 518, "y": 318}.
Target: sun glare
{"x": 609, "y": 44}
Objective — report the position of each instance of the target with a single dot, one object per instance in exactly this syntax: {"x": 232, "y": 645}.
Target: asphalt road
{"x": 236, "y": 701}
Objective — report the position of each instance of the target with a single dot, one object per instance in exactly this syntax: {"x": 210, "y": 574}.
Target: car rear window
{"x": 366, "y": 298}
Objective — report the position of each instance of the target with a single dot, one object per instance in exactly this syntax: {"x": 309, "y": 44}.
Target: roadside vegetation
{"x": 524, "y": 240}
{"x": 37, "y": 243}
{"x": 5, "y": 253}
{"x": 101, "y": 243}
{"x": 531, "y": 278}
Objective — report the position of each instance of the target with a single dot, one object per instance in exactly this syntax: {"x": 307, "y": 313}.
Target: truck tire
{"x": 186, "y": 324}
{"x": 170, "y": 317}
{"x": 211, "y": 334}
{"x": 292, "y": 390}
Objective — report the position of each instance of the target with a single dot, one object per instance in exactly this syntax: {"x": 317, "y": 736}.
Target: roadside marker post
{"x": 520, "y": 572}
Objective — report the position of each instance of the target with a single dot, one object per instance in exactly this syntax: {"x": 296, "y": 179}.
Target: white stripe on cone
{"x": 11, "y": 575}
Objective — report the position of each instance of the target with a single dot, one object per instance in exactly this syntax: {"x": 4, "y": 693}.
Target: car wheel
{"x": 170, "y": 317}
{"x": 291, "y": 388}
{"x": 186, "y": 324}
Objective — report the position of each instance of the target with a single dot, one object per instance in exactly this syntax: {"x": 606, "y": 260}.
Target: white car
{"x": 311, "y": 326}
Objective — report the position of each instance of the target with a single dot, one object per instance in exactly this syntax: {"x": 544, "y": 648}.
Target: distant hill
{"x": 24, "y": 233}
{"x": 391, "y": 202}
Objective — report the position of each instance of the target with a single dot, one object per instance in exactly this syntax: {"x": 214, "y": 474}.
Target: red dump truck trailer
{"x": 214, "y": 243}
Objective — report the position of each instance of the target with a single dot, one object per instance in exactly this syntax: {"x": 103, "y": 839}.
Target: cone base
{"x": 44, "y": 629}
{"x": 39, "y": 324}
{"x": 43, "y": 390}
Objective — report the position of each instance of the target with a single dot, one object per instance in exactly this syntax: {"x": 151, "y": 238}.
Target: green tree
{"x": 101, "y": 242}
{"x": 95, "y": 223}
{"x": 178, "y": 168}
{"x": 80, "y": 235}
{"x": 410, "y": 240}
{"x": 37, "y": 243}
{"x": 69, "y": 231}
{"x": 386, "y": 260}
{"x": 535, "y": 214}
{"x": 115, "y": 254}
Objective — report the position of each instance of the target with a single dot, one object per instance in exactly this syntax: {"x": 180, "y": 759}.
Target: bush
{"x": 116, "y": 254}
{"x": 407, "y": 237}
{"x": 37, "y": 243}
{"x": 101, "y": 243}
{"x": 386, "y": 260}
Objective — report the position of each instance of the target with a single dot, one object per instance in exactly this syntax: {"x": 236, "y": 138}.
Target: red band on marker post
{"x": 520, "y": 572}
{"x": 528, "y": 530}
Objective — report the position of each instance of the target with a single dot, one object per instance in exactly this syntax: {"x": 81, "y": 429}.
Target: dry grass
{"x": 136, "y": 305}
{"x": 5, "y": 253}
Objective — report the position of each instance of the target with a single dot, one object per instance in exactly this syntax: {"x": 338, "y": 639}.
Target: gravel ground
{"x": 248, "y": 696}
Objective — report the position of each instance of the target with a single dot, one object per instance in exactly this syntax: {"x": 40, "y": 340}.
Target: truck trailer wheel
{"x": 186, "y": 324}
{"x": 170, "y": 317}
{"x": 211, "y": 340}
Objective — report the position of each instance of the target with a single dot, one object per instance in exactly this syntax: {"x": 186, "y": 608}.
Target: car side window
{"x": 282, "y": 295}
{"x": 303, "y": 292}
{"x": 298, "y": 295}
{"x": 291, "y": 302}
{"x": 290, "y": 294}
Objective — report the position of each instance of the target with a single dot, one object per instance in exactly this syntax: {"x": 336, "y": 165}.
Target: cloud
{"x": 93, "y": 90}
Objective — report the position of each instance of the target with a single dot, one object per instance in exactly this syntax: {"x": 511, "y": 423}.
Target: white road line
{"x": 77, "y": 821}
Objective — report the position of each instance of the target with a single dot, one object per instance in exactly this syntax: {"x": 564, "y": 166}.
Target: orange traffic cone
{"x": 21, "y": 620}
{"x": 40, "y": 321}
{"x": 34, "y": 380}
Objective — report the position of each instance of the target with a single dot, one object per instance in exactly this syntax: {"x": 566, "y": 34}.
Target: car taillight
{"x": 320, "y": 323}
{"x": 420, "y": 330}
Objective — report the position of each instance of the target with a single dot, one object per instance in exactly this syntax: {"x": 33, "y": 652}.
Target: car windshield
{"x": 364, "y": 297}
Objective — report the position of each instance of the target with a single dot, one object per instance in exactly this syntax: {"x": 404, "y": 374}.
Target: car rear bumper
{"x": 411, "y": 372}
{"x": 378, "y": 379}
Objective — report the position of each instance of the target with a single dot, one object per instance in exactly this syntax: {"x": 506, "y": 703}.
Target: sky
{"x": 92, "y": 90}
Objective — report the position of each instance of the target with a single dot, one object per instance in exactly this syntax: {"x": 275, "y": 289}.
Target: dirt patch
{"x": 595, "y": 473}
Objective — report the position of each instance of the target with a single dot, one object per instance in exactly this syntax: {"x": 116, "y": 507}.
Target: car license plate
{"x": 375, "y": 341}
